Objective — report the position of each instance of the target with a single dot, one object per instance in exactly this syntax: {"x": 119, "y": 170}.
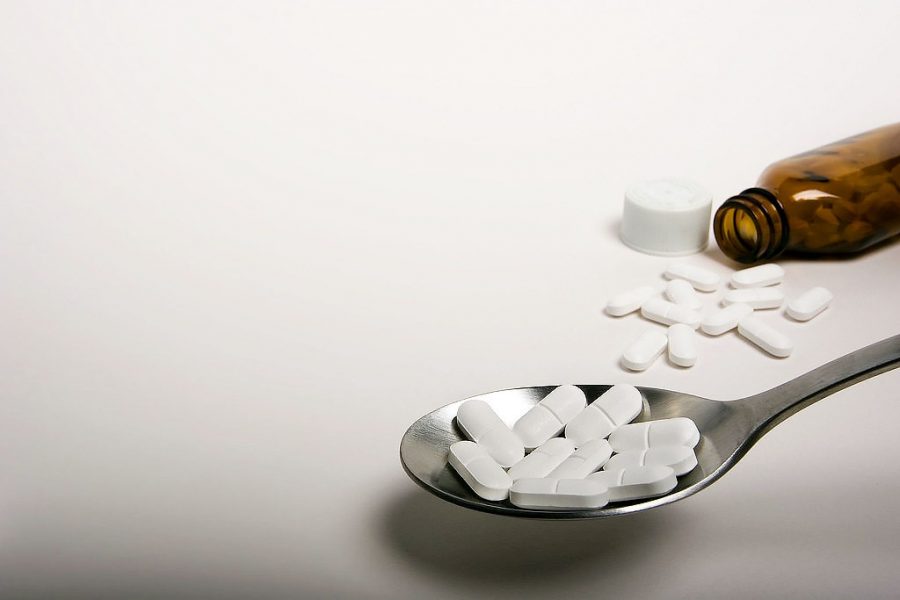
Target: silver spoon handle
{"x": 773, "y": 406}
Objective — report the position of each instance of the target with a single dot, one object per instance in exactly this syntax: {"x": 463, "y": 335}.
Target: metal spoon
{"x": 728, "y": 429}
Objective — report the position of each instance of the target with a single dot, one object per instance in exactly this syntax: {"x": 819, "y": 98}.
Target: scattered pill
{"x": 682, "y": 346}
{"x": 761, "y": 276}
{"x": 700, "y": 278}
{"x": 549, "y": 417}
{"x": 760, "y": 298}
{"x": 809, "y": 304}
{"x": 587, "y": 459}
{"x": 617, "y": 406}
{"x": 681, "y": 292}
{"x": 644, "y": 351}
{"x": 725, "y": 319}
{"x": 481, "y": 424}
{"x": 669, "y": 313}
{"x": 760, "y": 333}
{"x": 630, "y": 301}
{"x": 558, "y": 493}
{"x": 635, "y": 483}
{"x": 680, "y": 458}
{"x": 479, "y": 470}
{"x": 542, "y": 459}
{"x": 678, "y": 431}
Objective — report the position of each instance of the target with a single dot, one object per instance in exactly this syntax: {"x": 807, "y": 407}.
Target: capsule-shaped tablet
{"x": 479, "y": 470}
{"x": 630, "y": 301}
{"x": 809, "y": 304}
{"x": 700, "y": 278}
{"x": 542, "y": 459}
{"x": 644, "y": 351}
{"x": 678, "y": 431}
{"x": 587, "y": 459}
{"x": 682, "y": 346}
{"x": 760, "y": 276}
{"x": 558, "y": 493}
{"x": 549, "y": 417}
{"x": 725, "y": 319}
{"x": 617, "y": 406}
{"x": 763, "y": 335}
{"x": 669, "y": 313}
{"x": 481, "y": 424}
{"x": 681, "y": 459}
{"x": 756, "y": 298}
{"x": 635, "y": 483}
{"x": 679, "y": 291}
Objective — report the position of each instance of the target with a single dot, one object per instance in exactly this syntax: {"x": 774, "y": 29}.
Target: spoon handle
{"x": 773, "y": 406}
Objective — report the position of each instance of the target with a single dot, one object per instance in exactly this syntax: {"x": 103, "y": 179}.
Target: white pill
{"x": 809, "y": 304}
{"x": 725, "y": 319}
{"x": 542, "y": 459}
{"x": 681, "y": 292}
{"x": 680, "y": 458}
{"x": 617, "y": 406}
{"x": 669, "y": 313}
{"x": 761, "y": 298}
{"x": 644, "y": 351}
{"x": 760, "y": 276}
{"x": 481, "y": 424}
{"x": 549, "y": 417}
{"x": 682, "y": 346}
{"x": 763, "y": 335}
{"x": 479, "y": 470}
{"x": 701, "y": 279}
{"x": 635, "y": 483}
{"x": 587, "y": 459}
{"x": 558, "y": 493}
{"x": 630, "y": 301}
{"x": 678, "y": 431}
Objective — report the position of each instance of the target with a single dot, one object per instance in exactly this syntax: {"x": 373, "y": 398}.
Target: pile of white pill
{"x": 601, "y": 457}
{"x": 680, "y": 307}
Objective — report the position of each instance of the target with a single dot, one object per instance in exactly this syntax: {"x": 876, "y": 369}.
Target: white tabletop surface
{"x": 245, "y": 246}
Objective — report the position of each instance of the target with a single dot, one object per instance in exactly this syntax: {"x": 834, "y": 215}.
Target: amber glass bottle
{"x": 836, "y": 199}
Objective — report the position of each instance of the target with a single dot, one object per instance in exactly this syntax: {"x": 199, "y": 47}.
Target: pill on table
{"x": 549, "y": 417}
{"x": 635, "y": 483}
{"x": 725, "y": 319}
{"x": 809, "y": 304}
{"x": 682, "y": 347}
{"x": 760, "y": 276}
{"x": 763, "y": 335}
{"x": 645, "y": 350}
{"x": 630, "y": 301}
{"x": 587, "y": 459}
{"x": 542, "y": 459}
{"x": 479, "y": 470}
{"x": 761, "y": 298}
{"x": 680, "y": 458}
{"x": 481, "y": 424}
{"x": 669, "y": 313}
{"x": 551, "y": 494}
{"x": 700, "y": 278}
{"x": 678, "y": 431}
{"x": 681, "y": 292}
{"x": 617, "y": 406}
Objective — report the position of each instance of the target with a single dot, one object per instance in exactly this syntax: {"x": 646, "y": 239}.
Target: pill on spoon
{"x": 700, "y": 278}
{"x": 557, "y": 494}
{"x": 677, "y": 431}
{"x": 644, "y": 351}
{"x": 669, "y": 313}
{"x": 549, "y": 417}
{"x": 761, "y": 276}
{"x": 635, "y": 483}
{"x": 630, "y": 301}
{"x": 757, "y": 298}
{"x": 479, "y": 470}
{"x": 725, "y": 319}
{"x": 542, "y": 459}
{"x": 617, "y": 406}
{"x": 766, "y": 337}
{"x": 587, "y": 459}
{"x": 809, "y": 304}
{"x": 680, "y": 458}
{"x": 682, "y": 346}
{"x": 481, "y": 424}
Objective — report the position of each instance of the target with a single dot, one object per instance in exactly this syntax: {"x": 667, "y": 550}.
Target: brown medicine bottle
{"x": 836, "y": 199}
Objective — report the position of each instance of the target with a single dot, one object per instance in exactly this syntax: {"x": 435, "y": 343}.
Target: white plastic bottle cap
{"x": 667, "y": 217}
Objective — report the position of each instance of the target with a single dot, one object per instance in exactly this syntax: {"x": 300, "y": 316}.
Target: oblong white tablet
{"x": 681, "y": 459}
{"x": 682, "y": 346}
{"x": 617, "y": 406}
{"x": 681, "y": 292}
{"x": 587, "y": 459}
{"x": 760, "y": 298}
{"x": 542, "y": 459}
{"x": 678, "y": 431}
{"x": 702, "y": 279}
{"x": 630, "y": 301}
{"x": 766, "y": 337}
{"x": 725, "y": 319}
{"x": 809, "y": 304}
{"x": 760, "y": 276}
{"x": 644, "y": 351}
{"x": 481, "y": 424}
{"x": 635, "y": 483}
{"x": 558, "y": 493}
{"x": 669, "y": 313}
{"x": 479, "y": 470}
{"x": 549, "y": 417}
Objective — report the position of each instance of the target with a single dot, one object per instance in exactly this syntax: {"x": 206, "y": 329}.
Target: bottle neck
{"x": 751, "y": 226}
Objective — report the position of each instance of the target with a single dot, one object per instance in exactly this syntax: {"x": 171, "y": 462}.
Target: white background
{"x": 243, "y": 246}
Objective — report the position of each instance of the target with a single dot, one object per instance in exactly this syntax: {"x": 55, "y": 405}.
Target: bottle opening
{"x": 751, "y": 226}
